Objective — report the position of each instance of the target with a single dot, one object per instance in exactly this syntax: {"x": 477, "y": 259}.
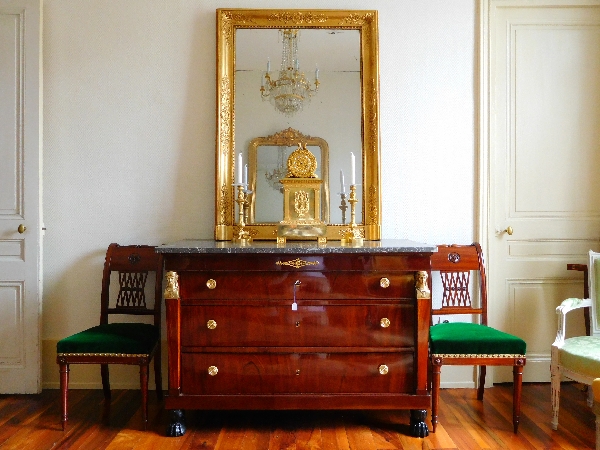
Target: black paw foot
{"x": 177, "y": 426}
{"x": 418, "y": 427}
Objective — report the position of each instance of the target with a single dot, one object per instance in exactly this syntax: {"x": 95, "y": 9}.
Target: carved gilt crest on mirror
{"x": 334, "y": 55}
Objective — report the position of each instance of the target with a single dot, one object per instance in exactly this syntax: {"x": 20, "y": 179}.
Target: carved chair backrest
{"x": 132, "y": 263}
{"x": 459, "y": 266}
{"x": 594, "y": 290}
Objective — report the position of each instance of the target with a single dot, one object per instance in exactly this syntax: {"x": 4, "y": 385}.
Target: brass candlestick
{"x": 243, "y": 236}
{"x": 353, "y": 235}
{"x": 343, "y": 206}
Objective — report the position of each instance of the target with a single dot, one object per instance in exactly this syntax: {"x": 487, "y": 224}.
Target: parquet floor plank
{"x": 33, "y": 422}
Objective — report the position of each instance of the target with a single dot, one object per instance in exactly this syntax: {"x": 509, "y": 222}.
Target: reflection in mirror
{"x": 268, "y": 164}
{"x": 343, "y": 112}
{"x": 336, "y": 53}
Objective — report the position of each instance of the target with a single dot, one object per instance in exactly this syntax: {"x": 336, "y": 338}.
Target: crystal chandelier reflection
{"x": 280, "y": 171}
{"x": 291, "y": 91}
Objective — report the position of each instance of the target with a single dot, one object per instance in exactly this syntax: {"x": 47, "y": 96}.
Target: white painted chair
{"x": 577, "y": 358}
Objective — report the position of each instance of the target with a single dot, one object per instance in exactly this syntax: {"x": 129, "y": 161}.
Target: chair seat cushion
{"x": 581, "y": 354}
{"x": 113, "y": 338}
{"x": 457, "y": 338}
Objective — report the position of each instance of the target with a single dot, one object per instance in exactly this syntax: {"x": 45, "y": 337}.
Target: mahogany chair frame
{"x": 455, "y": 263}
{"x": 133, "y": 263}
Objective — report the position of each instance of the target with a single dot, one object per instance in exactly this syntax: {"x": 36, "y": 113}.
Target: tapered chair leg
{"x": 436, "y": 370}
{"x": 517, "y": 388}
{"x": 481, "y": 387}
{"x": 144, "y": 389}
{"x": 64, "y": 393}
{"x": 105, "y": 381}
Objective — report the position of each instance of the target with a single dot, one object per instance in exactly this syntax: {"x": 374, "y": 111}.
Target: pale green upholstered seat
{"x": 582, "y": 354}
{"x": 577, "y": 358}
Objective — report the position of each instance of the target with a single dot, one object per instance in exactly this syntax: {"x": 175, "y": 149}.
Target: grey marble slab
{"x": 299, "y": 247}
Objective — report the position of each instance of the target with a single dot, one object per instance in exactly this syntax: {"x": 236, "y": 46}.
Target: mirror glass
{"x": 337, "y": 48}
{"x": 335, "y": 53}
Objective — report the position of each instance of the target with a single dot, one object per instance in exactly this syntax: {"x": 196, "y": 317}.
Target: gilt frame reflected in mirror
{"x": 267, "y": 164}
{"x": 366, "y": 128}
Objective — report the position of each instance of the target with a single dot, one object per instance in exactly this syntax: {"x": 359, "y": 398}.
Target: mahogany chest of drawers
{"x": 298, "y": 326}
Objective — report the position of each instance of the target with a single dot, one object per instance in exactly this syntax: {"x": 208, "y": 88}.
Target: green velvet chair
{"x": 578, "y": 357}
{"x": 462, "y": 270}
{"x": 132, "y": 343}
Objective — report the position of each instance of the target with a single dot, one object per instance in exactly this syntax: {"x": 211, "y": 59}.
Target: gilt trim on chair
{"x": 112, "y": 355}
{"x": 475, "y": 355}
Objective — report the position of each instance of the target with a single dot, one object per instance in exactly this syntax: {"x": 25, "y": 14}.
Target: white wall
{"x": 129, "y": 135}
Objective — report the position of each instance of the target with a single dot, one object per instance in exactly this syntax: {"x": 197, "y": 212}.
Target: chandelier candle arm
{"x": 291, "y": 91}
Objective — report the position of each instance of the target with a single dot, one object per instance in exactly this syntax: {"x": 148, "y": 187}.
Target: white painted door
{"x": 543, "y": 160}
{"x": 20, "y": 195}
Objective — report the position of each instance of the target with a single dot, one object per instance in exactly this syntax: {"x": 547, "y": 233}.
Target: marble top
{"x": 298, "y": 247}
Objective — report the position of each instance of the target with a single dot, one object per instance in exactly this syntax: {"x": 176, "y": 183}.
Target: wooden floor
{"x": 32, "y": 422}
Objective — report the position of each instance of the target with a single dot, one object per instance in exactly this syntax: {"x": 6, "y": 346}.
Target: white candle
{"x": 316, "y": 73}
{"x": 245, "y": 174}
{"x": 353, "y": 168}
{"x": 238, "y": 179}
{"x": 342, "y": 181}
{"x": 262, "y": 81}
{"x": 268, "y": 65}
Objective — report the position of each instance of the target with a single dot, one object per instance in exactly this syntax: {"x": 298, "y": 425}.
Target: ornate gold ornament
{"x": 297, "y": 263}
{"x": 301, "y": 203}
{"x": 421, "y": 287}
{"x": 302, "y": 163}
{"x": 172, "y": 289}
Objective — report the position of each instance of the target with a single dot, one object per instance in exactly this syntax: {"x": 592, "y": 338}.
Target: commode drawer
{"x": 221, "y": 285}
{"x": 277, "y": 373}
{"x": 331, "y": 325}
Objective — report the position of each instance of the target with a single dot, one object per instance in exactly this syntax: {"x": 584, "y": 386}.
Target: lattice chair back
{"x": 131, "y": 264}
{"x": 131, "y": 343}
{"x": 461, "y": 270}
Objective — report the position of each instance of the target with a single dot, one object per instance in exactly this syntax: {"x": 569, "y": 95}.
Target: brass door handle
{"x": 21, "y": 229}
{"x": 509, "y": 231}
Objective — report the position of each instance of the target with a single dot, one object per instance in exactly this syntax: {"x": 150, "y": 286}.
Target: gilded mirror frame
{"x": 366, "y": 22}
{"x": 286, "y": 138}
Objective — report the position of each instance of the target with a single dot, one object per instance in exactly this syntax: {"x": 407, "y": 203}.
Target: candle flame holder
{"x": 354, "y": 235}
{"x": 242, "y": 236}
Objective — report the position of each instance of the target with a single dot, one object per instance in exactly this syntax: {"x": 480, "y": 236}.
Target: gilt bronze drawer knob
{"x": 384, "y": 282}
{"x": 383, "y": 369}
{"x": 213, "y": 370}
{"x": 211, "y": 284}
{"x": 211, "y": 324}
{"x": 385, "y": 322}
{"x": 297, "y": 371}
{"x": 297, "y": 324}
